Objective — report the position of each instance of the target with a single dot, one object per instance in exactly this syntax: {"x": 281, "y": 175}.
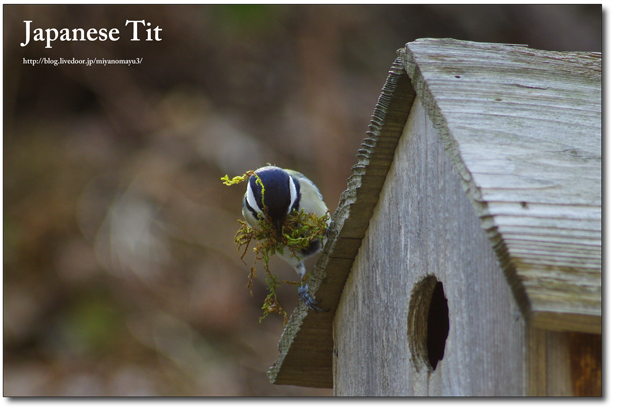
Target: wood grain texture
{"x": 523, "y": 129}
{"x": 586, "y": 364}
{"x": 429, "y": 229}
{"x": 307, "y": 343}
{"x": 564, "y": 364}
{"x": 520, "y": 132}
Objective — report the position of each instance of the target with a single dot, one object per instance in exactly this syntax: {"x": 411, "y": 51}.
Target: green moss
{"x": 298, "y": 230}
{"x": 236, "y": 180}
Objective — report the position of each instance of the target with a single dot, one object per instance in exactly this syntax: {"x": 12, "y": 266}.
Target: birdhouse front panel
{"x": 426, "y": 309}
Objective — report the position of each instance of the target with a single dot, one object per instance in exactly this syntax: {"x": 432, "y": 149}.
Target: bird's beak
{"x": 278, "y": 224}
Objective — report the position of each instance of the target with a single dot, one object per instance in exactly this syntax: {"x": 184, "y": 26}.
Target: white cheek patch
{"x": 251, "y": 200}
{"x": 293, "y": 190}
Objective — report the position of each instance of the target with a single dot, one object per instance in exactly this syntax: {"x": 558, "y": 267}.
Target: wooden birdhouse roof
{"x": 522, "y": 128}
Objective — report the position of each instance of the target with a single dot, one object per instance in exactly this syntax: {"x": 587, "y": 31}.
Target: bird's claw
{"x": 310, "y": 302}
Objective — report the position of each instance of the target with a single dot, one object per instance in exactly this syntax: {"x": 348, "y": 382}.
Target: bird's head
{"x": 273, "y": 193}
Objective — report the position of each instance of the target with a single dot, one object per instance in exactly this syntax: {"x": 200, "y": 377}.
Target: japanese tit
{"x": 285, "y": 191}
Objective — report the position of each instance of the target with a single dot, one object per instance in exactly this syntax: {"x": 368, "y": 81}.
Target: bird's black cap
{"x": 277, "y": 197}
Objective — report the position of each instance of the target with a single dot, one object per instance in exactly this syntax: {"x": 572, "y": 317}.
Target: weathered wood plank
{"x": 431, "y": 228}
{"x": 523, "y": 129}
{"x": 586, "y": 364}
{"x": 306, "y": 344}
{"x": 564, "y": 364}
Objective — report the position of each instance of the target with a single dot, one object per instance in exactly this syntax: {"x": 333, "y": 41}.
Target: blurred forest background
{"x": 120, "y": 272}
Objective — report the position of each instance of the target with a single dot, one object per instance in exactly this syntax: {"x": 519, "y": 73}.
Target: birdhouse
{"x": 464, "y": 258}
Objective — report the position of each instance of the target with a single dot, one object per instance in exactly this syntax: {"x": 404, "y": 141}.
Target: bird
{"x": 284, "y": 192}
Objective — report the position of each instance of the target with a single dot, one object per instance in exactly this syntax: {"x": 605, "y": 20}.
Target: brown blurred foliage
{"x": 120, "y": 272}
